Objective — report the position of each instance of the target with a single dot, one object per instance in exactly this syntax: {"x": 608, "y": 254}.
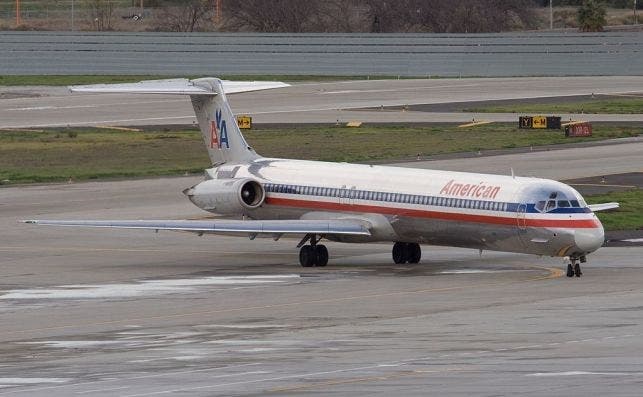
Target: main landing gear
{"x": 313, "y": 254}
{"x": 406, "y": 253}
{"x": 573, "y": 268}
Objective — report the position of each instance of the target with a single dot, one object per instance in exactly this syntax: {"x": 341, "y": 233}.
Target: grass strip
{"x": 611, "y": 105}
{"x": 629, "y": 216}
{"x": 91, "y": 153}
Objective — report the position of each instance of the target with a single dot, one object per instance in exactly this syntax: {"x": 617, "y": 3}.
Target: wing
{"x": 602, "y": 206}
{"x": 233, "y": 227}
{"x": 178, "y": 87}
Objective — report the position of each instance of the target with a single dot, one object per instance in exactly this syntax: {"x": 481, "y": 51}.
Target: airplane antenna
{"x": 512, "y": 173}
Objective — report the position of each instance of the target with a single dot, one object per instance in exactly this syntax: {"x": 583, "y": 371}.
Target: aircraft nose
{"x": 589, "y": 240}
{"x": 189, "y": 191}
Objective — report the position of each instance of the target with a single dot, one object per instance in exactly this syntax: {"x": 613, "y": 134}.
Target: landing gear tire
{"x": 577, "y": 271}
{"x": 414, "y": 253}
{"x": 406, "y": 253}
{"x": 307, "y": 256}
{"x": 321, "y": 255}
{"x": 399, "y": 253}
{"x": 570, "y": 270}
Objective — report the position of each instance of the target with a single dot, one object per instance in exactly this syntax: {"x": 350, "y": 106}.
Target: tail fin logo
{"x": 218, "y": 132}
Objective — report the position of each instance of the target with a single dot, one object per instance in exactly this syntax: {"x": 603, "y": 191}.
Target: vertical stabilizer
{"x": 219, "y": 128}
{"x": 218, "y": 125}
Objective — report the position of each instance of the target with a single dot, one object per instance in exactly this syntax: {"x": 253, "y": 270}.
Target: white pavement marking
{"x": 580, "y": 373}
{"x": 156, "y": 375}
{"x": 142, "y": 288}
{"x": 29, "y": 381}
{"x": 91, "y": 122}
{"x": 311, "y": 374}
{"x": 102, "y": 390}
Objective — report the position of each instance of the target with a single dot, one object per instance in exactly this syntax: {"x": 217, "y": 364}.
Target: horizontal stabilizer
{"x": 295, "y": 226}
{"x": 603, "y": 206}
{"x": 178, "y": 87}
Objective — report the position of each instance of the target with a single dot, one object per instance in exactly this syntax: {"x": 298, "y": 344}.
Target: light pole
{"x": 18, "y": 13}
{"x": 636, "y": 17}
{"x": 217, "y": 11}
{"x": 72, "y": 15}
{"x": 551, "y": 15}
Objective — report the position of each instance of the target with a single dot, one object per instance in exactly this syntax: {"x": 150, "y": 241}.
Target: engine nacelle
{"x": 227, "y": 196}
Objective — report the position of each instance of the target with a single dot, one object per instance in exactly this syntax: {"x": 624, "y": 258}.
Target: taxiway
{"x": 134, "y": 313}
{"x": 33, "y": 107}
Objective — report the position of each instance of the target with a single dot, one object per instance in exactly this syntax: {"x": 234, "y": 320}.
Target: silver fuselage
{"x": 480, "y": 211}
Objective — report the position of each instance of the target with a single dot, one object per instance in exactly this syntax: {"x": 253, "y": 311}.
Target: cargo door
{"x": 521, "y": 216}
{"x": 521, "y": 222}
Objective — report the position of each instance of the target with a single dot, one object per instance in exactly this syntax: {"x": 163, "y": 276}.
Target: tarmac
{"x": 138, "y": 313}
{"x": 376, "y": 101}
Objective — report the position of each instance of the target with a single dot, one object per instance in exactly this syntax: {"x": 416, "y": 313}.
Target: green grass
{"x": 374, "y": 143}
{"x": 612, "y": 105}
{"x": 97, "y": 154}
{"x": 630, "y": 214}
{"x": 86, "y": 153}
{"x": 63, "y": 80}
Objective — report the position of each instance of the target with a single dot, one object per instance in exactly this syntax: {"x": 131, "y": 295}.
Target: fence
{"x": 74, "y": 14}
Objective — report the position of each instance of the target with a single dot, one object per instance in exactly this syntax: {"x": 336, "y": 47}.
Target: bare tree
{"x": 100, "y": 13}
{"x": 450, "y": 16}
{"x": 185, "y": 17}
{"x": 343, "y": 16}
{"x": 272, "y": 15}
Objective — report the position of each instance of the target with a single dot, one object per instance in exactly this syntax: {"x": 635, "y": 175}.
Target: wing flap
{"x": 603, "y": 206}
{"x": 295, "y": 226}
{"x": 177, "y": 87}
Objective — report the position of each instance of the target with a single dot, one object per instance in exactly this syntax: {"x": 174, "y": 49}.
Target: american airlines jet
{"x": 356, "y": 203}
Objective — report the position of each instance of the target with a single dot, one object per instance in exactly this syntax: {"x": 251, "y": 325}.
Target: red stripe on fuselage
{"x": 449, "y": 216}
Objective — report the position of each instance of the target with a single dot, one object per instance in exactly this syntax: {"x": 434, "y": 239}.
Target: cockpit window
{"x": 551, "y": 204}
{"x": 548, "y": 199}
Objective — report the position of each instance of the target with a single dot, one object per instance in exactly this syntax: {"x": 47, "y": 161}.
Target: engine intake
{"x": 227, "y": 196}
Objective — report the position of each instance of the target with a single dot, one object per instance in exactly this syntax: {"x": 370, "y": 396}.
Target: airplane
{"x": 359, "y": 203}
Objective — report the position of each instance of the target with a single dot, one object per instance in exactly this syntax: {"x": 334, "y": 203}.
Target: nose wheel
{"x": 573, "y": 268}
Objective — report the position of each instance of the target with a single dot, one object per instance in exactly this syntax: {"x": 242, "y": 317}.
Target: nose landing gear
{"x": 573, "y": 268}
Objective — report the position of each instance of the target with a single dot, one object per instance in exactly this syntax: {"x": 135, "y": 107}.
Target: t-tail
{"x": 218, "y": 125}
